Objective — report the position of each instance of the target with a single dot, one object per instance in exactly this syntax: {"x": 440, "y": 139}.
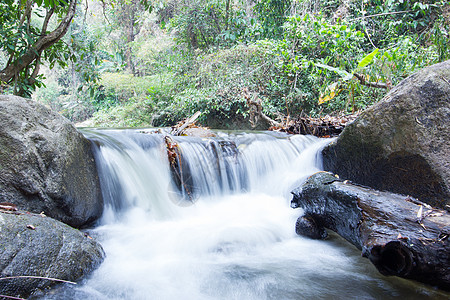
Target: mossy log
{"x": 400, "y": 235}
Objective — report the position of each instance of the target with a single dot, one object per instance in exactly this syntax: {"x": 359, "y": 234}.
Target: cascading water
{"x": 225, "y": 231}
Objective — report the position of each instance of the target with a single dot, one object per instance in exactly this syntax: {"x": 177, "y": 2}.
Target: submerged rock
{"x": 46, "y": 165}
{"x": 401, "y": 144}
{"x": 34, "y": 245}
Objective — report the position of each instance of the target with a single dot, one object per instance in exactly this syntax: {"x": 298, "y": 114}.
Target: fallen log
{"x": 400, "y": 235}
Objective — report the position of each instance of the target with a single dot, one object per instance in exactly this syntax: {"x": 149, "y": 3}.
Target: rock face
{"x": 402, "y": 143}
{"x": 35, "y": 245}
{"x": 46, "y": 165}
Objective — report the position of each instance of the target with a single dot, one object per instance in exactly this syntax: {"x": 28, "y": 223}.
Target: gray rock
{"x": 402, "y": 143}
{"x": 46, "y": 165}
{"x": 33, "y": 245}
{"x": 309, "y": 227}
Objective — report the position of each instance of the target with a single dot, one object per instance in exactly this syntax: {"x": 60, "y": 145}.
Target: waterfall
{"x": 220, "y": 228}
{"x": 135, "y": 171}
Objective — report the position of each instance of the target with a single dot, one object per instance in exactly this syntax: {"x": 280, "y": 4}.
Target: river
{"x": 225, "y": 232}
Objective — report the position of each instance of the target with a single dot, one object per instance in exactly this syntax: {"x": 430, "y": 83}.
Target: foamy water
{"x": 236, "y": 241}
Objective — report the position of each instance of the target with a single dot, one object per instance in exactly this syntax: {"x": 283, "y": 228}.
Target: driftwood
{"x": 188, "y": 127}
{"x": 179, "y": 170}
{"x": 400, "y": 235}
{"x": 326, "y": 126}
{"x": 178, "y": 129}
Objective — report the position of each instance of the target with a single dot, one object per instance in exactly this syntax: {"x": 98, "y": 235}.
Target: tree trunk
{"x": 44, "y": 42}
{"x": 227, "y": 14}
{"x": 130, "y": 16}
{"x": 401, "y": 236}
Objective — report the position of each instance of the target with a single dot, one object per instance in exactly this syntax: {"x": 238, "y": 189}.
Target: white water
{"x": 237, "y": 241}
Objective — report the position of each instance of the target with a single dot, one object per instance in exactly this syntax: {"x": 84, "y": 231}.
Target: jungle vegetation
{"x": 155, "y": 62}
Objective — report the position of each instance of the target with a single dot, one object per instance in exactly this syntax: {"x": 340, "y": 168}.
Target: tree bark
{"x": 401, "y": 236}
{"x": 44, "y": 42}
{"x": 379, "y": 85}
{"x": 256, "y": 111}
{"x": 130, "y": 19}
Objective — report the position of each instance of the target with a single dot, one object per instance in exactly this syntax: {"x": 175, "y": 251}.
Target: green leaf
{"x": 367, "y": 59}
{"x": 344, "y": 74}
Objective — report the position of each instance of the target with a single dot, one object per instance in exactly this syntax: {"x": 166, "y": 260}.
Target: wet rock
{"x": 308, "y": 226}
{"x": 46, "y": 165}
{"x": 401, "y": 144}
{"x": 33, "y": 245}
{"x": 400, "y": 235}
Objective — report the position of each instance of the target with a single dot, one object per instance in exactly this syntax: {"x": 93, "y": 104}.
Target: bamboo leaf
{"x": 367, "y": 59}
{"x": 344, "y": 74}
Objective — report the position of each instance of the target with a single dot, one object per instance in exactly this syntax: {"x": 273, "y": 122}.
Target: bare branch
{"x": 27, "y": 13}
{"x": 363, "y": 81}
{"x": 36, "y": 68}
{"x": 86, "y": 12}
{"x": 256, "y": 111}
{"x": 383, "y": 14}
{"x": 37, "y": 277}
{"x": 11, "y": 297}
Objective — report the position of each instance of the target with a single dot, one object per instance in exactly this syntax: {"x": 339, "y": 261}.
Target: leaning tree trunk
{"x": 400, "y": 235}
{"x": 45, "y": 41}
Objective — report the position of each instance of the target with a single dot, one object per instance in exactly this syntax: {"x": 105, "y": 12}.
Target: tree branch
{"x": 256, "y": 111}
{"x": 383, "y": 14}
{"x": 26, "y": 14}
{"x": 46, "y": 20}
{"x": 363, "y": 81}
{"x": 41, "y": 44}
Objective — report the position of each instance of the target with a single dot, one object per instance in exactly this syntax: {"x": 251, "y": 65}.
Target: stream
{"x": 227, "y": 233}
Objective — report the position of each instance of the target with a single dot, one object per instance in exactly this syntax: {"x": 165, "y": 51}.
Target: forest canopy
{"x": 152, "y": 63}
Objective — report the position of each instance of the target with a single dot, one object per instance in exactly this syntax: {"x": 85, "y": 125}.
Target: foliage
{"x": 214, "y": 84}
{"x": 272, "y": 15}
{"x": 309, "y": 40}
{"x": 212, "y": 23}
{"x": 297, "y": 57}
{"x": 27, "y": 41}
{"x": 385, "y": 21}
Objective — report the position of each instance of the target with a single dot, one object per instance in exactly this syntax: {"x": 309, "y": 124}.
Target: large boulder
{"x": 35, "y": 245}
{"x": 46, "y": 165}
{"x": 402, "y": 143}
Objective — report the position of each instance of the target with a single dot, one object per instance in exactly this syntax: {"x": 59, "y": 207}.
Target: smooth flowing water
{"x": 227, "y": 233}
